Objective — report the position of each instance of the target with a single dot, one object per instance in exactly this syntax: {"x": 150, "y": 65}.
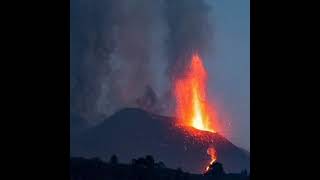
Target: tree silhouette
{"x": 244, "y": 173}
{"x": 114, "y": 159}
{"x": 149, "y": 161}
{"x": 133, "y": 162}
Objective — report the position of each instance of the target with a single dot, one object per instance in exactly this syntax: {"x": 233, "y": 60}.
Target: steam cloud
{"x": 127, "y": 53}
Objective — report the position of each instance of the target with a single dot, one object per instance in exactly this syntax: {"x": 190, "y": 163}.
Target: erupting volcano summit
{"x": 193, "y": 108}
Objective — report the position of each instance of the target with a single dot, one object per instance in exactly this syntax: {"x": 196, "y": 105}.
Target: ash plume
{"x": 127, "y": 53}
{"x": 189, "y": 32}
{"x": 91, "y": 43}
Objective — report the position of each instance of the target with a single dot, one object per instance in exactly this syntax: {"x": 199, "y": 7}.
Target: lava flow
{"x": 213, "y": 154}
{"x": 193, "y": 109}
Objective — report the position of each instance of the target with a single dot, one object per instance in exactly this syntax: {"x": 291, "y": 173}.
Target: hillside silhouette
{"x": 132, "y": 133}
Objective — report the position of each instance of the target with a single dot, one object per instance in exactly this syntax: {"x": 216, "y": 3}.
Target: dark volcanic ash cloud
{"x": 126, "y": 53}
{"x": 189, "y": 31}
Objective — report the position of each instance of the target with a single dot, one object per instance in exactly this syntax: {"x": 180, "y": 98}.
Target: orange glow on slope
{"x": 213, "y": 154}
{"x": 193, "y": 109}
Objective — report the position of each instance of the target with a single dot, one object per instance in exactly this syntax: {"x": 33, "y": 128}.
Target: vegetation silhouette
{"x": 114, "y": 159}
{"x": 143, "y": 168}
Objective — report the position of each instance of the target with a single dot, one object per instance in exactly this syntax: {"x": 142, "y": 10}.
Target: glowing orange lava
{"x": 193, "y": 109}
{"x": 213, "y": 154}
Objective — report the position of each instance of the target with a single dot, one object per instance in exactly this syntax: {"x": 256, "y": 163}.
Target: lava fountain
{"x": 192, "y": 107}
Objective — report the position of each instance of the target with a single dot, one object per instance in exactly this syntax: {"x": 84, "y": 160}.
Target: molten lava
{"x": 213, "y": 154}
{"x": 193, "y": 109}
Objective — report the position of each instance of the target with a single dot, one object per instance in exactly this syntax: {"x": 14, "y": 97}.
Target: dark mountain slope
{"x": 133, "y": 133}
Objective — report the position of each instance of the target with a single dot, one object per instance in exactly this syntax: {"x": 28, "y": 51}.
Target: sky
{"x": 229, "y": 66}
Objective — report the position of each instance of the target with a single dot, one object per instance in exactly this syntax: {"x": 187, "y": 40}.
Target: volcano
{"x": 131, "y": 133}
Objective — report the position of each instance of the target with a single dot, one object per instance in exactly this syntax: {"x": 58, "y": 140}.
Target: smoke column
{"x": 127, "y": 53}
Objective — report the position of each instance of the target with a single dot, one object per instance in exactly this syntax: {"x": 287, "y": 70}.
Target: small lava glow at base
{"x": 213, "y": 154}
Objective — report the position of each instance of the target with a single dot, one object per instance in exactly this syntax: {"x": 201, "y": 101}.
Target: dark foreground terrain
{"x": 132, "y": 133}
{"x": 141, "y": 169}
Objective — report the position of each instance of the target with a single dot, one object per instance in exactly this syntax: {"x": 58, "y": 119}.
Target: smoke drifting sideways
{"x": 128, "y": 53}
